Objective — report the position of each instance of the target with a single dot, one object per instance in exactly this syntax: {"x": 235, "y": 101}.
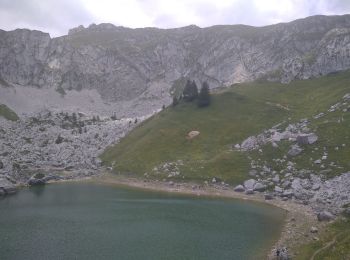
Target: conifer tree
{"x": 175, "y": 101}
{"x": 190, "y": 92}
{"x": 204, "y": 95}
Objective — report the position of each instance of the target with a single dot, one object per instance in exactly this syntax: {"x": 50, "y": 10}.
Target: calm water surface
{"x": 88, "y": 221}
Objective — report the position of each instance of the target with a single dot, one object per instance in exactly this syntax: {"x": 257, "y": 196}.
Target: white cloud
{"x": 57, "y": 17}
{"x": 122, "y": 12}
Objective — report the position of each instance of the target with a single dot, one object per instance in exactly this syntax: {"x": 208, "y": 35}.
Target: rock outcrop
{"x": 125, "y": 64}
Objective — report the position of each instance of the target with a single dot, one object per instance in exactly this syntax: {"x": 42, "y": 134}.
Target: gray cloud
{"x": 57, "y": 16}
{"x": 49, "y": 15}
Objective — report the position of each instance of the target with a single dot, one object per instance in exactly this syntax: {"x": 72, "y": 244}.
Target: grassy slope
{"x": 339, "y": 234}
{"x": 8, "y": 113}
{"x": 234, "y": 114}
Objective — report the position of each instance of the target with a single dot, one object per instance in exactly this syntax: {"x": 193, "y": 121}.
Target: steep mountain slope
{"x": 243, "y": 111}
{"x": 141, "y": 64}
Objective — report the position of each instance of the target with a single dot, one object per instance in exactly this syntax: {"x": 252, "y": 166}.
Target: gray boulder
{"x": 239, "y": 188}
{"x": 249, "y": 184}
{"x": 278, "y": 189}
{"x": 268, "y": 196}
{"x": 287, "y": 193}
{"x": 305, "y": 139}
{"x": 249, "y": 192}
{"x": 317, "y": 161}
{"x": 1, "y": 165}
{"x": 37, "y": 179}
{"x": 325, "y": 216}
{"x": 259, "y": 187}
{"x": 315, "y": 186}
{"x": 276, "y": 178}
{"x": 294, "y": 150}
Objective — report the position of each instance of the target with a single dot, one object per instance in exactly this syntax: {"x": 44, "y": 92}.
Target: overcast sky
{"x": 57, "y": 16}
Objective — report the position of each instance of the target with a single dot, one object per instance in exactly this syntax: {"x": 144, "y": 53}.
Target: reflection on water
{"x": 38, "y": 190}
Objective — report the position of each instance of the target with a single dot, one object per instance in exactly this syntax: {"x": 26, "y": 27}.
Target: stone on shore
{"x": 239, "y": 188}
{"x": 249, "y": 192}
{"x": 249, "y": 184}
{"x": 259, "y": 187}
{"x": 37, "y": 179}
{"x": 268, "y": 196}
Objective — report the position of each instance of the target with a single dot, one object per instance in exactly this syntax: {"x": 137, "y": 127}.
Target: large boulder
{"x": 278, "y": 189}
{"x": 325, "y": 216}
{"x": 294, "y": 150}
{"x": 304, "y": 139}
{"x": 249, "y": 184}
{"x": 259, "y": 187}
{"x": 192, "y": 134}
{"x": 239, "y": 188}
{"x": 37, "y": 179}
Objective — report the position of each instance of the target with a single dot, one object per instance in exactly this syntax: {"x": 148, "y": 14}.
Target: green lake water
{"x": 90, "y": 221}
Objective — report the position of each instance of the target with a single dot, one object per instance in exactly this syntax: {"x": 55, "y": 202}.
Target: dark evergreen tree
{"x": 194, "y": 90}
{"x": 175, "y": 101}
{"x": 187, "y": 90}
{"x": 190, "y": 92}
{"x": 204, "y": 95}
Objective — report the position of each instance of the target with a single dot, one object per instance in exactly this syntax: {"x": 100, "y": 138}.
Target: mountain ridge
{"x": 135, "y": 65}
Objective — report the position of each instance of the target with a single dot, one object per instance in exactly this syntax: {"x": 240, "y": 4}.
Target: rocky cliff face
{"x": 125, "y": 64}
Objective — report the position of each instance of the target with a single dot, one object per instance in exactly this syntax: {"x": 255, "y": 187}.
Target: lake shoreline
{"x": 297, "y": 224}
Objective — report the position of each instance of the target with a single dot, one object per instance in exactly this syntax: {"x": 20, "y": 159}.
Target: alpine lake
{"x": 94, "y": 221}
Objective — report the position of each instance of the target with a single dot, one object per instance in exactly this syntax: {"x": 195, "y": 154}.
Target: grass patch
{"x": 7, "y": 113}
{"x": 234, "y": 115}
{"x": 333, "y": 243}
